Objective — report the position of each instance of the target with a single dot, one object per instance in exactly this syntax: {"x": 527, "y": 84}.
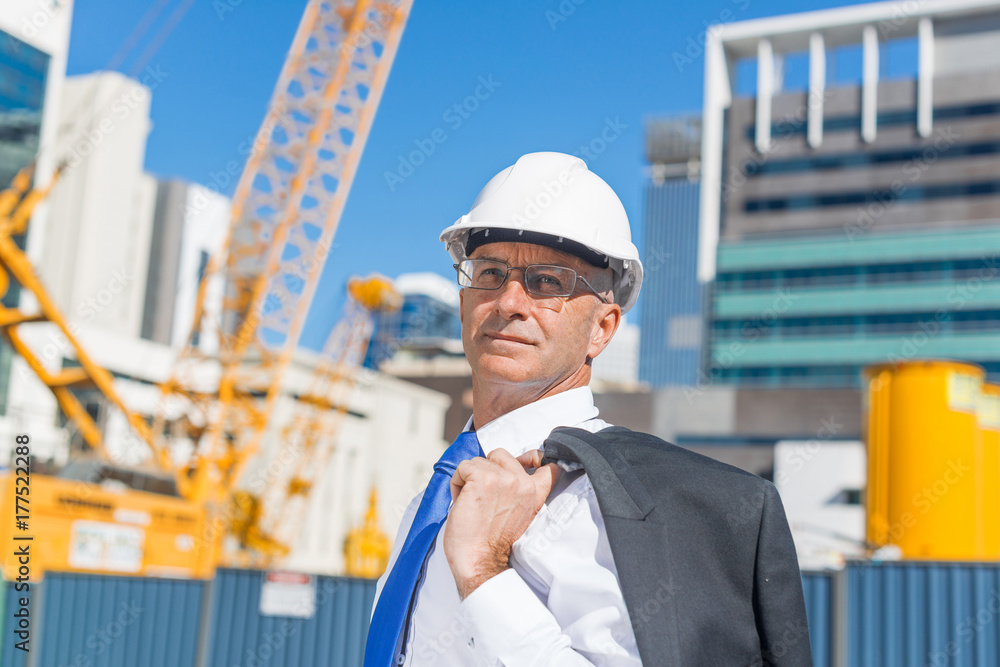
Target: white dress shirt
{"x": 560, "y": 604}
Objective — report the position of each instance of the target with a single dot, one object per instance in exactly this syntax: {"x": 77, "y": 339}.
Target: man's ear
{"x": 609, "y": 316}
{"x": 461, "y": 309}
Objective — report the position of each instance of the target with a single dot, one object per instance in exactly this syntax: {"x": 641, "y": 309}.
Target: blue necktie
{"x": 392, "y": 612}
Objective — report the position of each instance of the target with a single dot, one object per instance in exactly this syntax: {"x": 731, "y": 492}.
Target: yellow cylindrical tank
{"x": 989, "y": 427}
{"x": 925, "y": 459}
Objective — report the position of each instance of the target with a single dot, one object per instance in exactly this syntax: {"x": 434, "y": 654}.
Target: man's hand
{"x": 494, "y": 501}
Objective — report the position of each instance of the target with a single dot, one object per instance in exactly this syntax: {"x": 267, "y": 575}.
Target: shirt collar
{"x": 527, "y": 427}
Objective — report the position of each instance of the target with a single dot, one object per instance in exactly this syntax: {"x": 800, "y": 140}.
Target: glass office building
{"x": 809, "y": 311}
{"x": 671, "y": 318}
{"x": 23, "y": 73}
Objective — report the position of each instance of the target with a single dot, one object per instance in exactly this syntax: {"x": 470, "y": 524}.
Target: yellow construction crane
{"x": 286, "y": 210}
{"x": 70, "y": 519}
{"x": 16, "y": 206}
{"x": 216, "y": 406}
{"x": 366, "y": 549}
{"x": 270, "y": 521}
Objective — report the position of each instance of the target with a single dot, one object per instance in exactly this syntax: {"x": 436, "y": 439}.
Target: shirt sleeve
{"x": 560, "y": 604}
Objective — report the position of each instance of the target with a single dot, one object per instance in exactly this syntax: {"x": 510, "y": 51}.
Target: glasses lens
{"x": 481, "y": 273}
{"x": 550, "y": 280}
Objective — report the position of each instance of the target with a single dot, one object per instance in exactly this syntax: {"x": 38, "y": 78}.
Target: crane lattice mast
{"x": 285, "y": 213}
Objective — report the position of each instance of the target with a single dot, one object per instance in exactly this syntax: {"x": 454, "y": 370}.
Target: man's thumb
{"x": 545, "y": 478}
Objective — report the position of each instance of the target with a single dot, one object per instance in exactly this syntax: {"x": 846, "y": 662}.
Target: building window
{"x": 911, "y": 194}
{"x": 736, "y": 282}
{"x": 845, "y": 161}
{"x": 23, "y": 73}
{"x": 874, "y": 324}
{"x": 852, "y": 123}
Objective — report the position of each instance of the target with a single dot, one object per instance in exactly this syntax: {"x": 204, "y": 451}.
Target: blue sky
{"x": 559, "y": 73}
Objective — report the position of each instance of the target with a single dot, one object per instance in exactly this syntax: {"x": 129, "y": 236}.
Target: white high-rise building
{"x": 189, "y": 228}
{"x": 97, "y": 245}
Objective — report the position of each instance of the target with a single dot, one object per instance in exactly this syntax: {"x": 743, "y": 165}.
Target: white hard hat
{"x": 554, "y": 200}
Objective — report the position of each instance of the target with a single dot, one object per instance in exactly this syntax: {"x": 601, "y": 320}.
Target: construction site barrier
{"x": 867, "y": 615}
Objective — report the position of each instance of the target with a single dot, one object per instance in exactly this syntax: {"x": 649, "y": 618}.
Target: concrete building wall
{"x": 964, "y": 44}
{"x": 458, "y": 388}
{"x": 164, "y": 259}
{"x": 826, "y": 414}
{"x": 820, "y": 487}
{"x": 779, "y": 199}
{"x": 206, "y": 226}
{"x": 736, "y": 415}
{"x": 631, "y": 409}
{"x": 96, "y": 249}
{"x": 707, "y": 411}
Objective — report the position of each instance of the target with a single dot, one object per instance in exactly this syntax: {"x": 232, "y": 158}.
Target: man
{"x": 519, "y": 569}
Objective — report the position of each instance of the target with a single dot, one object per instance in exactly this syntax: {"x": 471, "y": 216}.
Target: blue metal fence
{"x": 819, "y": 588}
{"x": 333, "y": 637}
{"x": 933, "y": 614}
{"x": 10, "y": 655}
{"x": 882, "y": 615}
{"x": 111, "y": 621}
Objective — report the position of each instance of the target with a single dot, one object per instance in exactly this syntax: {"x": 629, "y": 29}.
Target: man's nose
{"x": 513, "y": 300}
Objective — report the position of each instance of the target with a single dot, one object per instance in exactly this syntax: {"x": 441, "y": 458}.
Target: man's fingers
{"x": 532, "y": 459}
{"x": 543, "y": 478}
{"x": 503, "y": 459}
{"x": 463, "y": 471}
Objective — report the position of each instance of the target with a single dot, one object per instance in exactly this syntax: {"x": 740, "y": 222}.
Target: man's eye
{"x": 490, "y": 273}
{"x": 548, "y": 279}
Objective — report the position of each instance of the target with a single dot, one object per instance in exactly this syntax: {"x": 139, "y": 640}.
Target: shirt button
{"x": 472, "y": 642}
{"x": 400, "y": 659}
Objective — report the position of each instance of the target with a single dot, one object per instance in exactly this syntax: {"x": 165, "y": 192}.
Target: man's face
{"x": 513, "y": 337}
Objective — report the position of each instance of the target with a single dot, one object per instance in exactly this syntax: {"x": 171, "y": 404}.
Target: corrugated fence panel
{"x": 932, "y": 614}
{"x": 10, "y": 656}
{"x": 897, "y": 614}
{"x": 333, "y": 637}
{"x": 818, "y": 589}
{"x": 111, "y": 621}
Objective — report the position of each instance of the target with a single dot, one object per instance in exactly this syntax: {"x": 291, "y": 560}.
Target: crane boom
{"x": 285, "y": 213}
{"x": 215, "y": 407}
{"x": 16, "y": 206}
{"x": 272, "y": 511}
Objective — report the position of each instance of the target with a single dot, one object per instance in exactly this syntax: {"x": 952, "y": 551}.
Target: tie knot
{"x": 465, "y": 447}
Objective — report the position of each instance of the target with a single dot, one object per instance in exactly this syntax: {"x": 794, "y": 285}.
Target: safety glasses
{"x": 544, "y": 280}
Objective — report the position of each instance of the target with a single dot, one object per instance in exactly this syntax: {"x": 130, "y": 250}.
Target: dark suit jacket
{"x": 703, "y": 551}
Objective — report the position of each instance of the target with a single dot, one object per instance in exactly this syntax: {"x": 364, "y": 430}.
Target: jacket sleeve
{"x": 778, "y": 602}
